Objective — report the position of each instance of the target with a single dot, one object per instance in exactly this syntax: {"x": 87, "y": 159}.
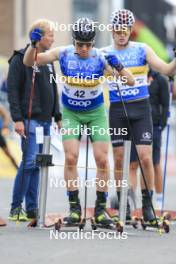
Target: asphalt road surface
{"x": 21, "y": 245}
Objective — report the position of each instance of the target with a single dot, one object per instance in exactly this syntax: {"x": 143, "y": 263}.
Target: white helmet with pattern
{"x": 122, "y": 17}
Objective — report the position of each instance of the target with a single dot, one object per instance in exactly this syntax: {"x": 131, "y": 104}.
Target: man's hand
{"x": 19, "y": 128}
{"x": 114, "y": 62}
{"x": 35, "y": 36}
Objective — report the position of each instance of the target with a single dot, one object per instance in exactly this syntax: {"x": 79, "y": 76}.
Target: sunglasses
{"x": 81, "y": 44}
{"x": 124, "y": 32}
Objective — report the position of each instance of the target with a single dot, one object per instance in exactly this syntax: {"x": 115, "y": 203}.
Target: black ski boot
{"x": 75, "y": 209}
{"x": 101, "y": 217}
{"x": 146, "y": 206}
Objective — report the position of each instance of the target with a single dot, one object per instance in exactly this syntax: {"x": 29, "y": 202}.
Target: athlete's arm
{"x": 159, "y": 65}
{"x": 127, "y": 77}
{"x": 42, "y": 58}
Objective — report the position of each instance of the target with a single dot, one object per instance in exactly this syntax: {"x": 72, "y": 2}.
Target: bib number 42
{"x": 79, "y": 94}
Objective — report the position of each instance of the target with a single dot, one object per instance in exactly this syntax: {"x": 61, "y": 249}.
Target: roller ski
{"x": 149, "y": 220}
{"x": 161, "y": 225}
{"x": 69, "y": 223}
{"x": 74, "y": 218}
{"x": 101, "y": 219}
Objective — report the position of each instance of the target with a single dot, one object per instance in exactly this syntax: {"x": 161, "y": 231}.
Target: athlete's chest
{"x": 72, "y": 65}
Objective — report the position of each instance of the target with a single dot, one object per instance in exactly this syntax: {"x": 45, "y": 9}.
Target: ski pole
{"x": 86, "y": 176}
{"x": 171, "y": 80}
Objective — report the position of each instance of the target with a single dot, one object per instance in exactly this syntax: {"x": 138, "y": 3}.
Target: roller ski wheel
{"x": 119, "y": 227}
{"x": 93, "y": 224}
{"x": 82, "y": 224}
{"x": 143, "y": 224}
{"x": 58, "y": 225}
{"x": 166, "y": 226}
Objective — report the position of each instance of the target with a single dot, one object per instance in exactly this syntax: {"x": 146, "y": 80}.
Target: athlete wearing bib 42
{"x": 134, "y": 56}
{"x": 82, "y": 67}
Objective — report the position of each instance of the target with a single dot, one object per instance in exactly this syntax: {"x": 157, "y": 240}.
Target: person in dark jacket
{"x": 45, "y": 105}
{"x": 159, "y": 101}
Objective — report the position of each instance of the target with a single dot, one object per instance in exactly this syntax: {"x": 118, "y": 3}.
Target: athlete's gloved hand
{"x": 114, "y": 62}
{"x": 35, "y": 36}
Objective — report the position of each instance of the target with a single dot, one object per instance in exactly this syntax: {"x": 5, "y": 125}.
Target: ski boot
{"x": 74, "y": 217}
{"x": 147, "y": 212}
{"x": 101, "y": 218}
{"x": 149, "y": 219}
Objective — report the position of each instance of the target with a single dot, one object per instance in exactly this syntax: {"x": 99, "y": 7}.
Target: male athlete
{"x": 82, "y": 98}
{"x": 134, "y": 56}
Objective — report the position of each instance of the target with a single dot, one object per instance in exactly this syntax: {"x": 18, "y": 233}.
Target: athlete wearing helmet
{"x": 134, "y": 56}
{"x": 82, "y": 98}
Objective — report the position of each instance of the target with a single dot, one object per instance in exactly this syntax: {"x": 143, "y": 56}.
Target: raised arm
{"x": 42, "y": 58}
{"x": 159, "y": 65}
{"x": 41, "y": 40}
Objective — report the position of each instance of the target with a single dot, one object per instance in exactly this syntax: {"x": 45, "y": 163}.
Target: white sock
{"x": 159, "y": 198}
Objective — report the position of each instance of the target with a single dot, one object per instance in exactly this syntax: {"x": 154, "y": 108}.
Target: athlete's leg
{"x": 71, "y": 150}
{"x": 100, "y": 139}
{"x": 118, "y": 153}
{"x": 133, "y": 169}
{"x": 133, "y": 175}
{"x": 117, "y": 124}
{"x": 145, "y": 156}
{"x": 71, "y": 144}
{"x": 143, "y": 133}
{"x": 158, "y": 178}
{"x": 100, "y": 150}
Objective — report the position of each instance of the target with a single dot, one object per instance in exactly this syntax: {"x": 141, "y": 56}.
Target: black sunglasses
{"x": 81, "y": 44}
